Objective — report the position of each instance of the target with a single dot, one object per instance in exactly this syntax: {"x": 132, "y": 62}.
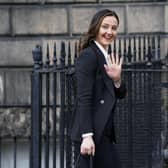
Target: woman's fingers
{"x": 87, "y": 146}
{"x": 109, "y": 61}
{"x": 106, "y": 67}
{"x": 93, "y": 151}
{"x": 115, "y": 60}
{"x": 88, "y": 151}
{"x": 121, "y": 61}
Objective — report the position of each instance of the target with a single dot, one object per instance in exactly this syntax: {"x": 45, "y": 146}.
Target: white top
{"x": 105, "y": 53}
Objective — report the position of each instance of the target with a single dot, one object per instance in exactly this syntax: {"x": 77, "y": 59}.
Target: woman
{"x": 99, "y": 85}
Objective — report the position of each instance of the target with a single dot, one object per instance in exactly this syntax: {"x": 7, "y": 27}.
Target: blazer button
{"x": 101, "y": 101}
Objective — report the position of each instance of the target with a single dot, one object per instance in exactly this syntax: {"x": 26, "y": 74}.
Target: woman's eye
{"x": 104, "y": 27}
{"x": 114, "y": 28}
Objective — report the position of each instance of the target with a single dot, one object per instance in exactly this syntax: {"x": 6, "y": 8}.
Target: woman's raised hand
{"x": 114, "y": 67}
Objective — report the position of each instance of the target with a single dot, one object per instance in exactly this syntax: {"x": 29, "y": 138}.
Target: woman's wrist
{"x": 117, "y": 83}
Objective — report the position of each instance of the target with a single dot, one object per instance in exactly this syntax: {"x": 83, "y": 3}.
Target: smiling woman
{"x": 99, "y": 85}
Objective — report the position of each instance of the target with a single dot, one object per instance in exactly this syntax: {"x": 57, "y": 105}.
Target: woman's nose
{"x": 109, "y": 31}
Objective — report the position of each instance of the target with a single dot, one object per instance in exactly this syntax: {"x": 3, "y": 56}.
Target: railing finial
{"x": 37, "y": 57}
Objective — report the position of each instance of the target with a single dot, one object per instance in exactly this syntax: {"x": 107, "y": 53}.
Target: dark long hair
{"x": 94, "y": 27}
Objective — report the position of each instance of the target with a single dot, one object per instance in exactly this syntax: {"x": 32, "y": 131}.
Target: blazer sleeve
{"x": 85, "y": 73}
{"x": 121, "y": 91}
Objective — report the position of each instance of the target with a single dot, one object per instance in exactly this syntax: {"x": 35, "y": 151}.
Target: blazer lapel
{"x": 102, "y": 61}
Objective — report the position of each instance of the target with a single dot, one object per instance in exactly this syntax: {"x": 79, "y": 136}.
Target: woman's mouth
{"x": 109, "y": 38}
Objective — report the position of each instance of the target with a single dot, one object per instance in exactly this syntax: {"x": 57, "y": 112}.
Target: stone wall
{"x": 25, "y": 23}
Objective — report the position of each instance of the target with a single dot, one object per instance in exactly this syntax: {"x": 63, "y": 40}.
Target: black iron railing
{"x": 139, "y": 120}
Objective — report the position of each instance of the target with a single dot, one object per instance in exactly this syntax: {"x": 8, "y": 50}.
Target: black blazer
{"x": 96, "y": 94}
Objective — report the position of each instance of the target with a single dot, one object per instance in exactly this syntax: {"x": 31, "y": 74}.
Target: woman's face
{"x": 107, "y": 31}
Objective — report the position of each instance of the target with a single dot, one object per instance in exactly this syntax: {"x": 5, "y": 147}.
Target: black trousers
{"x": 106, "y": 156}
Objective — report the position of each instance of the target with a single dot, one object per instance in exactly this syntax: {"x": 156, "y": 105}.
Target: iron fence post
{"x": 36, "y": 102}
{"x": 62, "y": 112}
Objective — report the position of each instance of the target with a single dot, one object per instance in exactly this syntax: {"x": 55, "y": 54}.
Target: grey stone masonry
{"x": 4, "y": 20}
{"x": 15, "y": 122}
{"x": 75, "y": 1}
{"x": 69, "y": 19}
{"x": 39, "y": 20}
{"x": 17, "y": 52}
{"x": 166, "y": 18}
{"x": 23, "y": 26}
{"x": 145, "y": 18}
{"x": 20, "y": 1}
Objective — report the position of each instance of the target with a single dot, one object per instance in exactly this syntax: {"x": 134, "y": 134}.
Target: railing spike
{"x": 144, "y": 48}
{"x": 166, "y": 59}
{"x": 114, "y": 48}
{"x": 76, "y": 51}
{"x": 129, "y": 54}
{"x": 153, "y": 48}
{"x": 158, "y": 47}
{"x": 63, "y": 54}
{"x": 135, "y": 59}
{"x": 125, "y": 52}
{"x": 149, "y": 54}
{"x": 55, "y": 55}
{"x": 119, "y": 49}
{"x": 109, "y": 49}
{"x": 47, "y": 56}
{"x": 69, "y": 54}
{"x": 139, "y": 49}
